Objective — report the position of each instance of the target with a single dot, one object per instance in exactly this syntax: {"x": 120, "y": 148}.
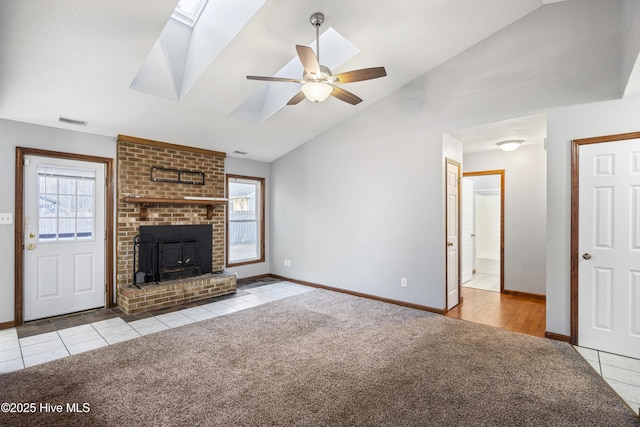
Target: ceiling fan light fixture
{"x": 316, "y": 91}
{"x": 510, "y": 144}
{"x": 317, "y": 80}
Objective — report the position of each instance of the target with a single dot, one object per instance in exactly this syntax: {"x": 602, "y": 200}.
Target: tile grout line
{"x": 599, "y": 363}
{"x": 622, "y": 397}
{"x": 252, "y": 304}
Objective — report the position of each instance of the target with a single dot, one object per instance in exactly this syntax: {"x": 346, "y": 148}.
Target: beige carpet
{"x": 322, "y": 359}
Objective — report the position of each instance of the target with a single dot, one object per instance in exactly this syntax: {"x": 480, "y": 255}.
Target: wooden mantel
{"x": 145, "y": 202}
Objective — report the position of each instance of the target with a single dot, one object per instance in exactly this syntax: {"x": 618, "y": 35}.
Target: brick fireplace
{"x": 161, "y": 184}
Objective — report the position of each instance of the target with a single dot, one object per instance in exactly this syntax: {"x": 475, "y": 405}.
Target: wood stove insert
{"x": 171, "y": 252}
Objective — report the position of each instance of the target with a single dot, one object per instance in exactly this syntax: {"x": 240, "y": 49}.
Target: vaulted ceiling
{"x": 78, "y": 59}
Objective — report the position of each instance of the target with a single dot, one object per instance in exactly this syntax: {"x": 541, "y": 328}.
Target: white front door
{"x": 453, "y": 205}
{"x": 467, "y": 230}
{"x": 609, "y": 247}
{"x": 64, "y": 242}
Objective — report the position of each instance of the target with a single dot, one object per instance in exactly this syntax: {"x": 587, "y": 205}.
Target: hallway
{"x": 511, "y": 312}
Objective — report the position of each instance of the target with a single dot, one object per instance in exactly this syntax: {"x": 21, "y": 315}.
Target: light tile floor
{"x": 18, "y": 353}
{"x": 621, "y": 373}
{"x": 486, "y": 282}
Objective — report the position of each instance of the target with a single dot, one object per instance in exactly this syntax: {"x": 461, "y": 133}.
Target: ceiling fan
{"x": 317, "y": 81}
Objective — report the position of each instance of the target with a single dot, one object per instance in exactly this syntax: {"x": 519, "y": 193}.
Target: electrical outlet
{"x": 287, "y": 262}
{"x": 6, "y": 218}
{"x": 403, "y": 282}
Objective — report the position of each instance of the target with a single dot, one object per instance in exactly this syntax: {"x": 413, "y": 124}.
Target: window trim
{"x": 261, "y": 231}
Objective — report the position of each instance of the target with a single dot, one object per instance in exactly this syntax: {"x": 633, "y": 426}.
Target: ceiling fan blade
{"x": 359, "y": 75}
{"x": 344, "y": 95}
{"x": 274, "y": 79}
{"x": 308, "y": 59}
{"x": 296, "y": 98}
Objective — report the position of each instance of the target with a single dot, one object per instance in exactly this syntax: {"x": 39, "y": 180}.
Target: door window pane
{"x": 66, "y": 204}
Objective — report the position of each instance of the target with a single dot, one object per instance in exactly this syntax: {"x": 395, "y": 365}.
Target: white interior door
{"x": 64, "y": 225}
{"x": 467, "y": 230}
{"x": 453, "y": 206}
{"x": 609, "y": 247}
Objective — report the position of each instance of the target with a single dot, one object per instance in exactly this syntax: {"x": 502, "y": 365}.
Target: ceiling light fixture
{"x": 510, "y": 144}
{"x": 316, "y": 91}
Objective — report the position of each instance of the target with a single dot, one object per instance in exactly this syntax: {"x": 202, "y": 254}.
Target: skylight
{"x": 188, "y": 11}
{"x": 195, "y": 35}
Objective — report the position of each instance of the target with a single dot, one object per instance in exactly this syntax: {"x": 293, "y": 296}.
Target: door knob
{"x": 449, "y": 244}
{"x": 586, "y": 256}
{"x": 31, "y": 246}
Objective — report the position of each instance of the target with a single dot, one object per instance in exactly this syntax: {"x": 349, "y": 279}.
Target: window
{"x": 66, "y": 204}
{"x": 188, "y": 11}
{"x": 245, "y": 220}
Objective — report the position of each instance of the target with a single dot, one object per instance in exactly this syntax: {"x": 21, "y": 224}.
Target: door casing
{"x": 575, "y": 226}
{"x": 21, "y": 152}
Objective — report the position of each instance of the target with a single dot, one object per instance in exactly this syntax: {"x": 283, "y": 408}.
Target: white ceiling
{"x": 532, "y": 130}
{"x": 77, "y": 59}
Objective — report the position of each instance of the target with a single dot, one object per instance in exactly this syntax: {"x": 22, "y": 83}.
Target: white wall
{"x": 362, "y": 205}
{"x": 630, "y": 17}
{"x": 16, "y": 134}
{"x": 354, "y": 210}
{"x": 487, "y": 227}
{"x": 525, "y": 213}
{"x": 563, "y": 126}
{"x": 238, "y": 166}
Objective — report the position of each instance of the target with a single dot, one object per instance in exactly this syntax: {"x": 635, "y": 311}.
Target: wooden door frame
{"x": 21, "y": 152}
{"x": 446, "y": 237}
{"x": 575, "y": 226}
{"x": 499, "y": 172}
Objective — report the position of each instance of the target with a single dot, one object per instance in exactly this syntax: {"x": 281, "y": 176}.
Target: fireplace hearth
{"x": 171, "y": 252}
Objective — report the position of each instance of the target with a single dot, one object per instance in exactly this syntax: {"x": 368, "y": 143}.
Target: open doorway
{"x": 520, "y": 304}
{"x": 483, "y": 230}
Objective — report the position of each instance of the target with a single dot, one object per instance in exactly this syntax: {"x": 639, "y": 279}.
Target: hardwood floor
{"x": 515, "y": 313}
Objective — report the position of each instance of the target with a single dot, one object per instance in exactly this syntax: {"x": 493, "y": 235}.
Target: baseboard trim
{"x": 362, "y": 295}
{"x": 7, "y": 325}
{"x": 557, "y": 337}
{"x": 525, "y": 294}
